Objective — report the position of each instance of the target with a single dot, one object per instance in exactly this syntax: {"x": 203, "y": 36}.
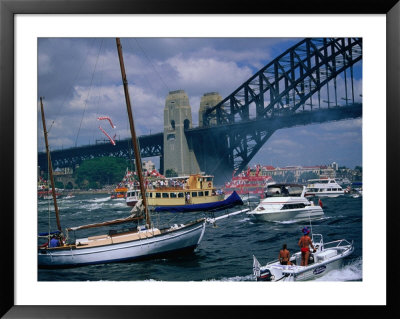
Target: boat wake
{"x": 295, "y": 221}
{"x": 349, "y": 272}
{"x": 236, "y": 278}
{"x": 100, "y": 199}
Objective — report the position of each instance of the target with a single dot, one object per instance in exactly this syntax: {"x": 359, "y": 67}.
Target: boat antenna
{"x": 53, "y": 190}
{"x": 133, "y": 134}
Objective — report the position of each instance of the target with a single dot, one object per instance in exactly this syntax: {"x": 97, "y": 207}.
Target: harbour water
{"x": 225, "y": 252}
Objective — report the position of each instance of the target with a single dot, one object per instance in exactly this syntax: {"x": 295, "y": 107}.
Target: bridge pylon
{"x": 178, "y": 151}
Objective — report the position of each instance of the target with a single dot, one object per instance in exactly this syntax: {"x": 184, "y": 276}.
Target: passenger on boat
{"x": 284, "y": 256}
{"x": 187, "y": 198}
{"x": 305, "y": 243}
{"x": 54, "y": 242}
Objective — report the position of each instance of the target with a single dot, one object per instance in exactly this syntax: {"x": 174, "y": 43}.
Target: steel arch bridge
{"x": 299, "y": 87}
{"x": 311, "y": 82}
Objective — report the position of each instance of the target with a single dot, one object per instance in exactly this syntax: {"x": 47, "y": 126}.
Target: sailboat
{"x": 143, "y": 242}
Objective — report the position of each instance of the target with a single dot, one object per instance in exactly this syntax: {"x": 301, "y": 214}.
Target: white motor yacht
{"x": 324, "y": 187}
{"x": 284, "y": 202}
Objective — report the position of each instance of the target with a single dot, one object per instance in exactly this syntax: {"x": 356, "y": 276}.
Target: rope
{"x": 70, "y": 89}
{"x": 98, "y": 98}
{"x": 151, "y": 63}
{"x": 90, "y": 88}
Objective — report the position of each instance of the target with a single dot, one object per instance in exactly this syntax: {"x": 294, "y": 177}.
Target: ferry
{"x": 119, "y": 193}
{"x": 128, "y": 181}
{"x": 197, "y": 189}
{"x": 43, "y": 190}
{"x": 248, "y": 184}
{"x": 324, "y": 187}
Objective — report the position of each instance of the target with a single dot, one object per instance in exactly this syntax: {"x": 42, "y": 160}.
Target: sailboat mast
{"x": 132, "y": 127}
{"x": 53, "y": 189}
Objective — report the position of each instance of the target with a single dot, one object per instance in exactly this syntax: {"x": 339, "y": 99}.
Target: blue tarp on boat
{"x": 233, "y": 200}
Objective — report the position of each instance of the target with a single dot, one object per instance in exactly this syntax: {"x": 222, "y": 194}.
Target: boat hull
{"x": 324, "y": 195}
{"x": 289, "y": 214}
{"x": 173, "y": 241}
{"x": 233, "y": 200}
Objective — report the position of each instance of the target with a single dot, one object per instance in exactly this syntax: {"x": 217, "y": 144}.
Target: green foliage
{"x": 69, "y": 186}
{"x": 97, "y": 172}
{"x": 58, "y": 184}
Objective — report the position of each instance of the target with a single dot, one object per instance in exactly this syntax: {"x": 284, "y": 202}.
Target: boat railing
{"x": 338, "y": 243}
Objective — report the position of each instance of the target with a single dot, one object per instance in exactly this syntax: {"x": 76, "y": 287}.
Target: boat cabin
{"x": 284, "y": 190}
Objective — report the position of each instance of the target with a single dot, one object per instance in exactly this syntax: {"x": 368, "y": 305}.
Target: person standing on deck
{"x": 305, "y": 243}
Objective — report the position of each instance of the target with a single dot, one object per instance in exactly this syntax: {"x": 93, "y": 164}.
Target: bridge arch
{"x": 308, "y": 78}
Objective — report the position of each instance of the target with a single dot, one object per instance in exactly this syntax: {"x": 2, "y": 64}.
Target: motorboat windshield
{"x": 284, "y": 190}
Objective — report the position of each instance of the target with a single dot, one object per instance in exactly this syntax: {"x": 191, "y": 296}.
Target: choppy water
{"x": 224, "y": 254}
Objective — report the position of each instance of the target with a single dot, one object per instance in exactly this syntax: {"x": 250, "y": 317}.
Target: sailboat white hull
{"x": 174, "y": 240}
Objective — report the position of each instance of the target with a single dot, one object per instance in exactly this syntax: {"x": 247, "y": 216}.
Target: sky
{"x": 80, "y": 81}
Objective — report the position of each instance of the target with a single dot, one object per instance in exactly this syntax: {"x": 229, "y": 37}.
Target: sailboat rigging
{"x": 143, "y": 242}
{"x": 53, "y": 189}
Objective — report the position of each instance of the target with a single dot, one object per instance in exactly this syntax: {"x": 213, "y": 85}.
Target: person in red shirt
{"x": 305, "y": 243}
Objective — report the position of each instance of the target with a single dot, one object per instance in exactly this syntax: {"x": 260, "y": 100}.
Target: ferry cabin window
{"x": 194, "y": 194}
{"x": 165, "y": 195}
{"x": 201, "y": 194}
{"x": 209, "y": 179}
{"x": 158, "y": 195}
{"x": 172, "y": 195}
{"x": 206, "y": 193}
{"x": 180, "y": 195}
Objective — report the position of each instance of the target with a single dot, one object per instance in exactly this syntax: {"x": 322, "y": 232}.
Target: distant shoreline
{"x": 86, "y": 192}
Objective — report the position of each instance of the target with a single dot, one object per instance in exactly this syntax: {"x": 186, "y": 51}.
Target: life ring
{"x": 209, "y": 184}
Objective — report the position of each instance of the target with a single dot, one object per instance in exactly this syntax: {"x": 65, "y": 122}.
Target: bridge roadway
{"x": 212, "y": 145}
{"x": 150, "y": 145}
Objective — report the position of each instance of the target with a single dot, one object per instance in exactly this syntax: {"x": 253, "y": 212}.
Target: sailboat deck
{"x": 115, "y": 239}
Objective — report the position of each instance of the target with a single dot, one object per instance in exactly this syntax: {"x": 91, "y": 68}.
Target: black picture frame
{"x": 8, "y": 10}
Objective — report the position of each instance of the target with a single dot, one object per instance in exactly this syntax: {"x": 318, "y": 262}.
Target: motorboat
{"x": 327, "y": 257}
{"x": 285, "y": 202}
{"x": 324, "y": 187}
{"x": 132, "y": 196}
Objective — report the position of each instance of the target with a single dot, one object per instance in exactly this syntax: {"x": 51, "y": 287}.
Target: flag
{"x": 256, "y": 267}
